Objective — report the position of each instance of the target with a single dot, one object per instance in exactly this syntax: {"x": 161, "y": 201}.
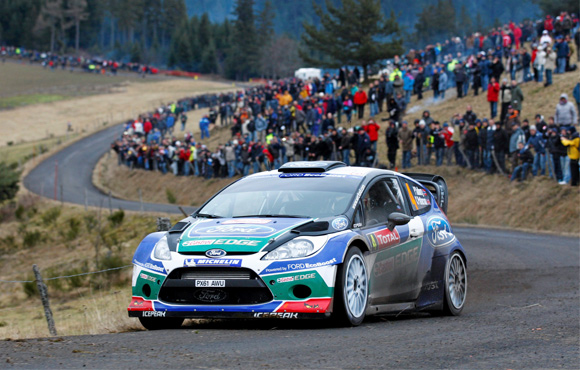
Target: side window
{"x": 420, "y": 198}
{"x": 380, "y": 201}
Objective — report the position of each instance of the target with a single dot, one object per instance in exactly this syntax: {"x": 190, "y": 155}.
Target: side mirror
{"x": 398, "y": 218}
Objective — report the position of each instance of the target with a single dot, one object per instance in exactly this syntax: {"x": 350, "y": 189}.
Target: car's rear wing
{"x": 436, "y": 185}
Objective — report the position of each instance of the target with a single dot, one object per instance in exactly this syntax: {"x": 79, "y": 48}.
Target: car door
{"x": 394, "y": 251}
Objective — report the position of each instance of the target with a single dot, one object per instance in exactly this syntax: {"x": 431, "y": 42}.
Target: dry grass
{"x": 124, "y": 183}
{"x": 117, "y": 101}
{"x": 90, "y": 305}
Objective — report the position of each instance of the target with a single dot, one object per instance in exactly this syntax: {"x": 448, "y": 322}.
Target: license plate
{"x": 210, "y": 283}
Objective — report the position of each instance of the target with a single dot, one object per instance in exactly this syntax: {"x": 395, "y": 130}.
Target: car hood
{"x": 241, "y": 235}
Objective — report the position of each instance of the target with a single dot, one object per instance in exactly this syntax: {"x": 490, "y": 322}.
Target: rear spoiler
{"x": 436, "y": 185}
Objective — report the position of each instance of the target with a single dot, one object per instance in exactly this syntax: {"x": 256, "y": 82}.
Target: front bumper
{"x": 249, "y": 289}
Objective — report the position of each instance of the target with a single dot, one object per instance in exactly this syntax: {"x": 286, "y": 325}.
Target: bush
{"x": 8, "y": 243}
{"x": 8, "y": 181}
{"x": 50, "y": 216}
{"x": 90, "y": 222}
{"x": 31, "y": 238}
{"x": 170, "y": 196}
{"x": 117, "y": 217}
{"x": 74, "y": 229}
{"x": 30, "y": 289}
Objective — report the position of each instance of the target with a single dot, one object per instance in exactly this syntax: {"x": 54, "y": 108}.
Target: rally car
{"x": 310, "y": 240}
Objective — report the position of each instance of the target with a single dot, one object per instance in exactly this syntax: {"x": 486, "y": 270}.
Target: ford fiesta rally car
{"x": 310, "y": 240}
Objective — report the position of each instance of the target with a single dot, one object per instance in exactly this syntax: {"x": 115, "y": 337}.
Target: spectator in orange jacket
{"x": 493, "y": 96}
{"x": 360, "y": 99}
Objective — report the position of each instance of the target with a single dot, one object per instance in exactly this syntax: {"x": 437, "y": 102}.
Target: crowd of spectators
{"x": 291, "y": 120}
{"x": 91, "y": 64}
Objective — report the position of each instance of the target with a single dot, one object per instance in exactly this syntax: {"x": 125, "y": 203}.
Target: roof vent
{"x": 313, "y": 166}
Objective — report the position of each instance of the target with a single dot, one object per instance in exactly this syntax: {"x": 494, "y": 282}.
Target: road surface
{"x": 75, "y": 169}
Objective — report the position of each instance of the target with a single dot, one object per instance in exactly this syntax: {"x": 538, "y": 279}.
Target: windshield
{"x": 315, "y": 196}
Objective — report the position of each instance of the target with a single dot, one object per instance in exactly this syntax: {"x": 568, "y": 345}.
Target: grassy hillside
{"x": 476, "y": 198}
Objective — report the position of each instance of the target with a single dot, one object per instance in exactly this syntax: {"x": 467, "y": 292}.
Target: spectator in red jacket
{"x": 493, "y": 95}
{"x": 372, "y": 128}
{"x": 360, "y": 99}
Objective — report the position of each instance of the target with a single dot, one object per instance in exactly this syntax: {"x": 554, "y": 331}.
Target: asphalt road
{"x": 522, "y": 311}
{"x": 75, "y": 167}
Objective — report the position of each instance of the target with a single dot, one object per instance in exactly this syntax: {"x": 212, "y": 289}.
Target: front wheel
{"x": 160, "y": 323}
{"x": 455, "y": 285}
{"x": 352, "y": 289}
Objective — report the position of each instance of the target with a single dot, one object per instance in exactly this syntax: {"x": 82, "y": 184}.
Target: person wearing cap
{"x": 554, "y": 152}
{"x": 545, "y": 39}
{"x": 566, "y": 114}
{"x": 204, "y": 127}
{"x": 538, "y": 143}
{"x": 505, "y": 98}
{"x": 525, "y": 158}
{"x": 517, "y": 96}
{"x": 362, "y": 143}
{"x": 372, "y": 129}
{"x": 550, "y": 64}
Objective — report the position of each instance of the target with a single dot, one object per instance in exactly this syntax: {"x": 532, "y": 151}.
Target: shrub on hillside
{"x": 8, "y": 181}
{"x": 117, "y": 217}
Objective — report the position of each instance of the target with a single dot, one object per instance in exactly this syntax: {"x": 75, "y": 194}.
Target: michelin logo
{"x": 192, "y": 262}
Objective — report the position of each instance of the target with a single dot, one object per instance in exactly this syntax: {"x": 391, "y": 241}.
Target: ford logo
{"x": 214, "y": 253}
{"x": 210, "y": 295}
{"x": 439, "y": 232}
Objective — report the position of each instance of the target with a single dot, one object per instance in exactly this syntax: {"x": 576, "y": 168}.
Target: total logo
{"x": 385, "y": 238}
{"x": 154, "y": 313}
{"x": 439, "y": 232}
{"x": 235, "y": 229}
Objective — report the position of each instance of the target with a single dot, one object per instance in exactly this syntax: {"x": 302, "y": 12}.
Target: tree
{"x": 244, "y": 56}
{"x": 53, "y": 15}
{"x": 355, "y": 34}
{"x": 77, "y": 11}
{"x": 265, "y": 23}
{"x": 209, "y": 59}
{"x": 553, "y": 7}
{"x": 464, "y": 23}
{"x": 435, "y": 22}
{"x": 280, "y": 57}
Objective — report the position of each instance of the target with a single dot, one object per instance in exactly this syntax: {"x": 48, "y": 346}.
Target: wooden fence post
{"x": 163, "y": 224}
{"x": 44, "y": 297}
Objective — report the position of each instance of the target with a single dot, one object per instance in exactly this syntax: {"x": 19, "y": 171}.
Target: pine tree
{"x": 265, "y": 23}
{"x": 244, "y": 56}
{"x": 357, "y": 33}
{"x": 209, "y": 59}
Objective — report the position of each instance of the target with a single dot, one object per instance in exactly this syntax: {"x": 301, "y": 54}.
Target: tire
{"x": 351, "y": 289}
{"x": 161, "y": 323}
{"x": 455, "y": 285}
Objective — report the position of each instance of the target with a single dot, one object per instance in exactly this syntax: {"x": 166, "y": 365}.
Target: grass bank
{"x": 63, "y": 241}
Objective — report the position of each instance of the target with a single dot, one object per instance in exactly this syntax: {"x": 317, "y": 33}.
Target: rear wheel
{"x": 455, "y": 285}
{"x": 352, "y": 287}
{"x": 160, "y": 323}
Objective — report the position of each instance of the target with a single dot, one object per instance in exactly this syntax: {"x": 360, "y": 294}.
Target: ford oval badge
{"x": 215, "y": 253}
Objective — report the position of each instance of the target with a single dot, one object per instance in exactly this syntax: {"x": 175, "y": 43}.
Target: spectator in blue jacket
{"x": 562, "y": 51}
{"x": 537, "y": 142}
{"x": 408, "y": 83}
{"x": 204, "y": 127}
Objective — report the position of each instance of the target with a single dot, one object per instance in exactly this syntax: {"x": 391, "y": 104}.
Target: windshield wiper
{"x": 207, "y": 215}
{"x": 277, "y": 216}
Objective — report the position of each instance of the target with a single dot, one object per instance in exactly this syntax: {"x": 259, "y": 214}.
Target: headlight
{"x": 161, "y": 250}
{"x": 296, "y": 248}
